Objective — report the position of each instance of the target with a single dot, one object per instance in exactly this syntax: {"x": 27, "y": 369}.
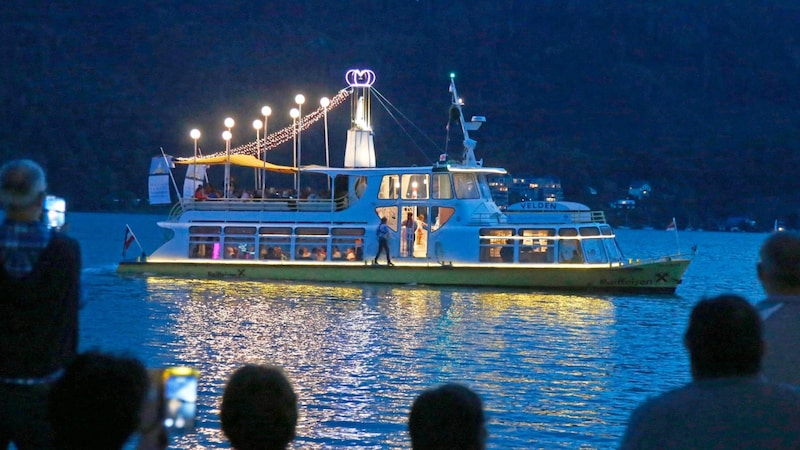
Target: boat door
{"x": 413, "y": 232}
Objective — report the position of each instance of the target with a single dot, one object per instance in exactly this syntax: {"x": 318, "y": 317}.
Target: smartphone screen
{"x": 55, "y": 212}
{"x": 180, "y": 397}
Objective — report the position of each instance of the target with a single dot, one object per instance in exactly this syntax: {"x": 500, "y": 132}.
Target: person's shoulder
{"x": 778, "y": 305}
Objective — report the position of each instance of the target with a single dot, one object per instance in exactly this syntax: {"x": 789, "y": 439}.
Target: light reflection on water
{"x": 555, "y": 371}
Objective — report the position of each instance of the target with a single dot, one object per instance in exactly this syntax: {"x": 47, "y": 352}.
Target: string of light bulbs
{"x": 286, "y": 134}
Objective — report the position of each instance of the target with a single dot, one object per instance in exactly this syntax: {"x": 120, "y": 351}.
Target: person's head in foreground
{"x": 22, "y": 187}
{"x": 449, "y": 417}
{"x": 97, "y": 403}
{"x": 779, "y": 265}
{"x": 724, "y": 338}
{"x": 259, "y": 408}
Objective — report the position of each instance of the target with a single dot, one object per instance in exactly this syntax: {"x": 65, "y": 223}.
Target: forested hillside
{"x": 701, "y": 98}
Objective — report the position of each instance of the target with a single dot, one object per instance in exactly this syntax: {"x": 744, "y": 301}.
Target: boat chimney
{"x": 360, "y": 149}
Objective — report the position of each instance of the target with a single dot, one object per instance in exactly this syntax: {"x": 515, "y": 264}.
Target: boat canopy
{"x": 238, "y": 160}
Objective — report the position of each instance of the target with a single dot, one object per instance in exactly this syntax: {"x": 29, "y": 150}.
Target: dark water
{"x": 555, "y": 371}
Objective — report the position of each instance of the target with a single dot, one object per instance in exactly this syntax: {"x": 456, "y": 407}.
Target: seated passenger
{"x": 336, "y": 253}
{"x": 351, "y": 254}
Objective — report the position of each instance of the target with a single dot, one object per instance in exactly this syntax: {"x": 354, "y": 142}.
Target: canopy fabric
{"x": 238, "y": 160}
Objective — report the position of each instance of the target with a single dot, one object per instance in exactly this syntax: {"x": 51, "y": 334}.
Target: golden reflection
{"x": 359, "y": 354}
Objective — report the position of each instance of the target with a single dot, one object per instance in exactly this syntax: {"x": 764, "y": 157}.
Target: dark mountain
{"x": 702, "y": 99}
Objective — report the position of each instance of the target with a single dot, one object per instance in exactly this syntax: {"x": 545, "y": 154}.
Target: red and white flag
{"x": 129, "y": 238}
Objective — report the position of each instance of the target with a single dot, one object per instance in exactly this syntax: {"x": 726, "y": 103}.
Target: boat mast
{"x": 473, "y": 124}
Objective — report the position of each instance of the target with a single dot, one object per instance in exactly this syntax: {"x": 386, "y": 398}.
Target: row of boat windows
{"x": 435, "y": 186}
{"x": 590, "y": 244}
{"x": 276, "y": 243}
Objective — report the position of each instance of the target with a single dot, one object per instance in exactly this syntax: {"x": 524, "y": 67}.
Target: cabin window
{"x": 390, "y": 187}
{"x": 466, "y": 185}
{"x": 274, "y": 243}
{"x": 390, "y": 212}
{"x": 239, "y": 243}
{"x": 497, "y": 245}
{"x": 347, "y": 244}
{"x": 311, "y": 243}
{"x": 537, "y": 245}
{"x": 415, "y": 186}
{"x": 441, "y": 188}
{"x": 204, "y": 242}
{"x": 439, "y": 216}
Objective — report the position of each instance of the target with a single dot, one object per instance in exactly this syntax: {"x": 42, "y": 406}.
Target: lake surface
{"x": 554, "y": 370}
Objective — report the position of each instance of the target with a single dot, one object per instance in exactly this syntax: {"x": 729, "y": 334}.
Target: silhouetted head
{"x": 779, "y": 266}
{"x": 383, "y": 219}
{"x": 449, "y": 417}
{"x": 98, "y": 401}
{"x": 724, "y": 338}
{"x": 259, "y": 408}
{"x": 22, "y": 184}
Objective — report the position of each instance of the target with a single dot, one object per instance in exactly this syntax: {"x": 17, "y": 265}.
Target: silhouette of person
{"x": 40, "y": 284}
{"x": 259, "y": 408}
{"x": 727, "y": 404}
{"x": 383, "y": 241}
{"x": 779, "y": 274}
{"x": 447, "y": 417}
{"x": 409, "y": 228}
{"x": 98, "y": 402}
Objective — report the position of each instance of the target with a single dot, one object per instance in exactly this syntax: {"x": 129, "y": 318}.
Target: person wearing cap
{"x": 40, "y": 284}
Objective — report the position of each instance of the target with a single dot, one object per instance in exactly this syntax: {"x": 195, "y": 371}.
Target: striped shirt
{"x": 21, "y": 243}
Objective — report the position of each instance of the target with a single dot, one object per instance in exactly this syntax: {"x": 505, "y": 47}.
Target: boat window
{"x": 569, "y": 251}
{"x": 275, "y": 230}
{"x": 415, "y": 186}
{"x": 594, "y": 250}
{"x": 390, "y": 187}
{"x": 347, "y": 244}
{"x": 204, "y": 242}
{"x": 311, "y": 231}
{"x": 590, "y": 231}
{"x": 535, "y": 247}
{"x": 441, "y": 188}
{"x": 315, "y": 248}
{"x": 360, "y": 186}
{"x": 239, "y": 247}
{"x": 612, "y": 249}
{"x": 606, "y": 230}
{"x": 497, "y": 245}
{"x": 439, "y": 216}
{"x": 390, "y": 212}
{"x": 486, "y": 191}
{"x": 466, "y": 185}
{"x": 567, "y": 232}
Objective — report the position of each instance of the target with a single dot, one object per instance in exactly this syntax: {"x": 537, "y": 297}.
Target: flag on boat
{"x": 158, "y": 181}
{"x": 129, "y": 238}
{"x": 671, "y": 226}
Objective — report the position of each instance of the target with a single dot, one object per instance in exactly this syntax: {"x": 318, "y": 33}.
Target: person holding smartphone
{"x": 40, "y": 283}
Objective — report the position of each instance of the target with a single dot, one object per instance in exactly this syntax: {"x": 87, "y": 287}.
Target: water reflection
{"x": 358, "y": 355}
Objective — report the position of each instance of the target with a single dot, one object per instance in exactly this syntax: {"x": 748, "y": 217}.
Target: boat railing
{"x": 259, "y": 204}
{"x": 547, "y": 217}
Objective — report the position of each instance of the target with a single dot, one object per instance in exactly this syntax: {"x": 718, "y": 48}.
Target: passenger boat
{"x": 445, "y": 227}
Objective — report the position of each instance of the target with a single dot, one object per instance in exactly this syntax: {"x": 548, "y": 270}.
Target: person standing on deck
{"x": 383, "y": 242}
{"x": 409, "y": 228}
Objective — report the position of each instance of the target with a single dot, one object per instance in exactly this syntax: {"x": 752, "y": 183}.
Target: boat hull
{"x": 661, "y": 276}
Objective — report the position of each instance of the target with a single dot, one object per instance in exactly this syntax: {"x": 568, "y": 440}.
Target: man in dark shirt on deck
{"x": 40, "y": 286}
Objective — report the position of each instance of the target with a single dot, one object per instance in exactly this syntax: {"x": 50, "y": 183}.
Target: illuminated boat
{"x": 456, "y": 234}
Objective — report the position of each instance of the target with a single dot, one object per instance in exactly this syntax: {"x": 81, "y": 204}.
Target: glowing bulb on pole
{"x": 295, "y": 113}
{"x": 299, "y": 99}
{"x": 195, "y": 134}
{"x": 226, "y": 135}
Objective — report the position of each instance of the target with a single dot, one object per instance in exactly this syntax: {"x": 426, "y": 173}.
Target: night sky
{"x": 702, "y": 99}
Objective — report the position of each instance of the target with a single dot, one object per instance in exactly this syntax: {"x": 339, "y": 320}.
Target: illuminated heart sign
{"x": 360, "y": 78}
